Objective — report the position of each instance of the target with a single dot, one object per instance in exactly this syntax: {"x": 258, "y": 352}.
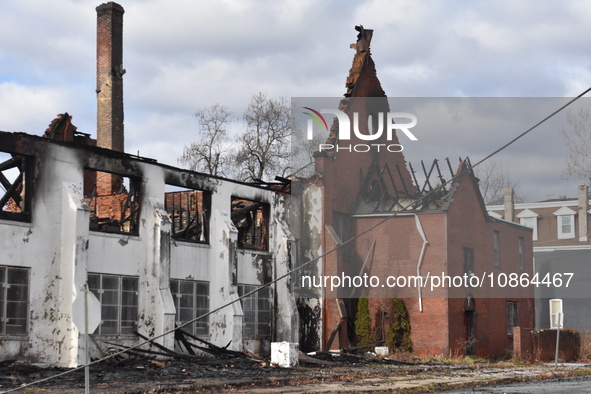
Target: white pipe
{"x": 421, "y": 233}
{"x": 420, "y": 262}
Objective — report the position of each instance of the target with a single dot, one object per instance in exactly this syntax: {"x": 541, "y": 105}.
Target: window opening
{"x": 118, "y": 296}
{"x": 191, "y": 300}
{"x": 343, "y": 227}
{"x": 512, "y": 316}
{"x": 189, "y": 211}
{"x": 497, "y": 247}
{"x": 114, "y": 202}
{"x": 468, "y": 261}
{"x": 14, "y": 300}
{"x": 565, "y": 222}
{"x": 15, "y": 187}
{"x": 566, "y": 225}
{"x": 257, "y": 311}
{"x": 251, "y": 218}
{"x": 521, "y": 252}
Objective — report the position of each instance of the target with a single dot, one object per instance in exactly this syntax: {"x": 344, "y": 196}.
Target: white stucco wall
{"x": 60, "y": 250}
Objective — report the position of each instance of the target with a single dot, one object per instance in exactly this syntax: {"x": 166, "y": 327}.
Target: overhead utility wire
{"x": 533, "y": 127}
{"x": 384, "y": 220}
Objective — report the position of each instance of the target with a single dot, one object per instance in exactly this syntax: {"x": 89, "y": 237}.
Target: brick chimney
{"x": 509, "y": 203}
{"x": 583, "y": 197}
{"x": 109, "y": 76}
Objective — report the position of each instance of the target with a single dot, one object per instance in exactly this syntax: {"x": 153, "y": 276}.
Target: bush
{"x": 363, "y": 323}
{"x": 398, "y": 332}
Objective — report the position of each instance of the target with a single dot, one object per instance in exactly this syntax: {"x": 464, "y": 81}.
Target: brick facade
{"x": 109, "y": 77}
{"x": 449, "y": 323}
{"x": 561, "y": 246}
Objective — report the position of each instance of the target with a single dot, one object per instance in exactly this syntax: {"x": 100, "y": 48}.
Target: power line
{"x": 533, "y": 127}
{"x": 386, "y": 218}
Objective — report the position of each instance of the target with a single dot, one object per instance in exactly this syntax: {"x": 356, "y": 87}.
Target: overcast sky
{"x": 183, "y": 55}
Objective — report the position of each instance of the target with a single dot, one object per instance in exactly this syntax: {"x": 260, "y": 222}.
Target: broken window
{"x": 114, "y": 202}
{"x": 191, "y": 300}
{"x": 189, "y": 211}
{"x": 118, "y": 296}
{"x": 15, "y": 187}
{"x": 257, "y": 311}
{"x": 512, "y": 316}
{"x": 251, "y": 218}
{"x": 14, "y": 300}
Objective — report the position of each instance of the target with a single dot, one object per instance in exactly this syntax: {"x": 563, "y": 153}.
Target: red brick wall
{"x": 396, "y": 253}
{"x": 109, "y": 79}
{"x": 469, "y": 227}
{"x": 342, "y": 177}
{"x": 439, "y": 328}
{"x": 523, "y": 344}
{"x": 429, "y": 328}
{"x": 545, "y": 345}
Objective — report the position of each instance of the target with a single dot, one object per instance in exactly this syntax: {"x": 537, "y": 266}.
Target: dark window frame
{"x": 251, "y": 218}
{"x": 188, "y": 224}
{"x": 512, "y": 316}
{"x": 14, "y": 301}
{"x": 129, "y": 223}
{"x": 16, "y": 198}
{"x": 497, "y": 247}
{"x": 120, "y": 311}
{"x": 521, "y": 252}
{"x": 468, "y": 260}
{"x": 199, "y": 305}
{"x": 343, "y": 226}
{"x": 256, "y": 321}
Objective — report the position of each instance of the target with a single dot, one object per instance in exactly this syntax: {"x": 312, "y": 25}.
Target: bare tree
{"x": 210, "y": 154}
{"x": 264, "y": 149}
{"x": 303, "y": 151}
{"x": 493, "y": 179}
{"x": 577, "y": 139}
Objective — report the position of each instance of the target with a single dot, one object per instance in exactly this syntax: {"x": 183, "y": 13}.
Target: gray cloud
{"x": 182, "y": 55}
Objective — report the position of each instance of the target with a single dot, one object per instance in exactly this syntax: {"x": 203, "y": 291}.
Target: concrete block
{"x": 382, "y": 351}
{"x": 284, "y": 354}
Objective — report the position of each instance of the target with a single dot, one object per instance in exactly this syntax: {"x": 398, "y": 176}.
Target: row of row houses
{"x": 159, "y": 246}
{"x": 562, "y": 248}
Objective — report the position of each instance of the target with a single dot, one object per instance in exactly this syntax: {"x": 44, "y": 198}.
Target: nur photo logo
{"x": 386, "y": 122}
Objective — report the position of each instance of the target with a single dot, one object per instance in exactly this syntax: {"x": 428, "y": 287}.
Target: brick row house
{"x": 561, "y": 245}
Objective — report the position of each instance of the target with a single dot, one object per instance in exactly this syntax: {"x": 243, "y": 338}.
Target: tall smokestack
{"x": 109, "y": 76}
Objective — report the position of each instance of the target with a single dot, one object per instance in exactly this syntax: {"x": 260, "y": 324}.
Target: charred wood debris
{"x": 159, "y": 365}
